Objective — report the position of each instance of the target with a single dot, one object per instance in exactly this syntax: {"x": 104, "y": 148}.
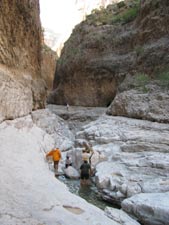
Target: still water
{"x": 89, "y": 193}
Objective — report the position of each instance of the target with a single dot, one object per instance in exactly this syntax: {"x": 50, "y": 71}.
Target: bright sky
{"x": 58, "y": 15}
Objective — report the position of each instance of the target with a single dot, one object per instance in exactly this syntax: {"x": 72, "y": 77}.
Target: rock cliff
{"x": 75, "y": 13}
{"x": 129, "y": 39}
{"x": 21, "y": 86}
{"x": 48, "y": 65}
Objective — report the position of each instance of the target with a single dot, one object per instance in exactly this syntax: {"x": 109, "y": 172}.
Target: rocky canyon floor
{"x": 131, "y": 161}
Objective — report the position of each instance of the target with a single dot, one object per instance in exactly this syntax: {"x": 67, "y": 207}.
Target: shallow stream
{"x": 89, "y": 193}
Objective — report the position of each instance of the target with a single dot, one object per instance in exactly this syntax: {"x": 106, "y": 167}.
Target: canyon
{"x": 113, "y": 72}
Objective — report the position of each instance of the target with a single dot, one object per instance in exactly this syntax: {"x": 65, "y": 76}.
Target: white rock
{"x": 138, "y": 161}
{"x": 120, "y": 216}
{"x": 71, "y": 172}
{"x": 55, "y": 126}
{"x": 29, "y": 193}
{"x": 150, "y": 208}
{"x": 133, "y": 188}
{"x": 149, "y": 106}
{"x": 15, "y": 96}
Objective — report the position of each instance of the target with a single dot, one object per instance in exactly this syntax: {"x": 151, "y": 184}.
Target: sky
{"x": 58, "y": 15}
{"x": 61, "y": 16}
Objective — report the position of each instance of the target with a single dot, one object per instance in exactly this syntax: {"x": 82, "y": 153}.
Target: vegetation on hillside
{"x": 162, "y": 78}
{"x": 142, "y": 80}
{"x": 122, "y": 12}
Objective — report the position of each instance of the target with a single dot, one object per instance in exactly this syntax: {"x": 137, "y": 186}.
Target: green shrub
{"x": 139, "y": 50}
{"x": 111, "y": 15}
{"x": 142, "y": 79}
{"x": 121, "y": 4}
{"x": 162, "y": 78}
{"x": 127, "y": 16}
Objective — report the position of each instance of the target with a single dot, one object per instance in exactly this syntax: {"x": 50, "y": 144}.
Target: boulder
{"x": 120, "y": 216}
{"x": 71, "y": 173}
{"x": 149, "y": 208}
{"x": 149, "y": 105}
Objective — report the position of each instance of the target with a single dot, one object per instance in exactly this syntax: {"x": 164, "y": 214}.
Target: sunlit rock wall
{"x": 21, "y": 86}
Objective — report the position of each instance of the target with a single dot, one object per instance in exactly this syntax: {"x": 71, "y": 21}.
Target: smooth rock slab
{"x": 120, "y": 216}
{"x": 151, "y": 209}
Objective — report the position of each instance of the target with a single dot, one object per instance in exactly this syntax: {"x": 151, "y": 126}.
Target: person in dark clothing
{"x": 85, "y": 173}
{"x": 68, "y": 161}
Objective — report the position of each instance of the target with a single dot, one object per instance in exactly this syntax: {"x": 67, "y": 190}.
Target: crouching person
{"x": 68, "y": 161}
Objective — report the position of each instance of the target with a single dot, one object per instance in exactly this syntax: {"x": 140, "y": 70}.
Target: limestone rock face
{"x": 136, "y": 97}
{"x": 152, "y": 105}
{"x": 54, "y": 125}
{"x": 99, "y": 55}
{"x": 48, "y": 66}
{"x": 21, "y": 86}
{"x": 15, "y": 97}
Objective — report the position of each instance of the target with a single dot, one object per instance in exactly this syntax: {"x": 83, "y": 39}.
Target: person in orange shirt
{"x": 56, "y": 156}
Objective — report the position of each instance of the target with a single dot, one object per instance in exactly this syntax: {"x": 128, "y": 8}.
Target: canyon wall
{"x": 22, "y": 88}
{"x": 128, "y": 39}
{"x": 48, "y": 66}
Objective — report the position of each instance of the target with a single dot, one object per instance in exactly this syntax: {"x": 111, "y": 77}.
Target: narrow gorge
{"x": 114, "y": 73}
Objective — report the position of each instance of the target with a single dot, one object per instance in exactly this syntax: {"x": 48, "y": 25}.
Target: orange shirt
{"x": 55, "y": 153}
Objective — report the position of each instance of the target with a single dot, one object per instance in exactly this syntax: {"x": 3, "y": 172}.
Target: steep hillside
{"x": 21, "y": 86}
{"x": 125, "y": 40}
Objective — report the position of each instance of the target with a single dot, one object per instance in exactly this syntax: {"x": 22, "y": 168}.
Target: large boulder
{"x": 151, "y": 104}
{"x": 71, "y": 172}
{"x": 120, "y": 216}
{"x": 151, "y": 209}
